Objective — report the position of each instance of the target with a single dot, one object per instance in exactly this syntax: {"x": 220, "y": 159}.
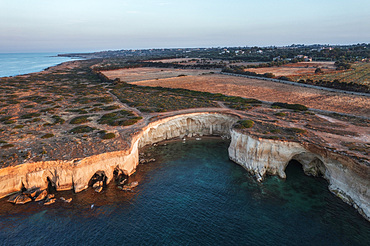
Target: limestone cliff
{"x": 346, "y": 178}
{"x": 76, "y": 174}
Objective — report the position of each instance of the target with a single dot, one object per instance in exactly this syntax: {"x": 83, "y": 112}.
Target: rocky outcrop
{"x": 76, "y": 174}
{"x": 196, "y": 124}
{"x": 347, "y": 179}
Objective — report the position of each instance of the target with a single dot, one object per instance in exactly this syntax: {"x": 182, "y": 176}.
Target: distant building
{"x": 305, "y": 58}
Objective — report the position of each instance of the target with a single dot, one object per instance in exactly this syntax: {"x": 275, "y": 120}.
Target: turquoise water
{"x": 12, "y": 64}
{"x": 192, "y": 195}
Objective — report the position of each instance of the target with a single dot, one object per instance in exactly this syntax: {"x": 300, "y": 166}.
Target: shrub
{"x": 276, "y": 131}
{"x": 18, "y": 126}
{"x": 82, "y": 129}
{"x": 30, "y": 115}
{"x": 7, "y": 146}
{"x": 5, "y": 118}
{"x": 8, "y": 122}
{"x": 109, "y": 135}
{"x": 297, "y": 130}
{"x": 58, "y": 119}
{"x": 79, "y": 120}
{"x": 280, "y": 114}
{"x": 245, "y": 124}
{"x": 318, "y": 70}
{"x": 48, "y": 135}
{"x": 111, "y": 107}
{"x": 298, "y": 107}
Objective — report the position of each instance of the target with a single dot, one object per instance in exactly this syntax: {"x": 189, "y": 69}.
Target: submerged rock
{"x": 131, "y": 185}
{"x": 41, "y": 196}
{"x": 50, "y": 201}
{"x": 13, "y": 198}
{"x": 19, "y": 198}
{"x": 22, "y": 199}
{"x": 99, "y": 189}
{"x": 98, "y": 184}
{"x": 66, "y": 200}
{"x": 32, "y": 192}
{"x": 49, "y": 196}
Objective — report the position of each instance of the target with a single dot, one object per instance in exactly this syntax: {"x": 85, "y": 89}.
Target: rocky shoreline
{"x": 348, "y": 178}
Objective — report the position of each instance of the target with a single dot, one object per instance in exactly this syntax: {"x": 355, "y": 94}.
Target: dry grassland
{"x": 251, "y": 88}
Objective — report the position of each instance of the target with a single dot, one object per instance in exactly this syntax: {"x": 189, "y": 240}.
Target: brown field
{"x": 301, "y": 68}
{"x": 253, "y": 88}
{"x": 143, "y": 73}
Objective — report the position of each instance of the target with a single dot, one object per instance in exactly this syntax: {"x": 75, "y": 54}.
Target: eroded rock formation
{"x": 76, "y": 174}
{"x": 348, "y": 179}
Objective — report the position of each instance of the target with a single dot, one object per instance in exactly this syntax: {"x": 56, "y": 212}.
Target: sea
{"x": 191, "y": 195}
{"x": 12, "y": 64}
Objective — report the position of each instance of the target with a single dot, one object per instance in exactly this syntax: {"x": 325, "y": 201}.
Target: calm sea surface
{"x": 12, "y": 64}
{"x": 192, "y": 195}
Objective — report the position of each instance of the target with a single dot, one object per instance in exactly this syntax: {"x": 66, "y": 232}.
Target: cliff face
{"x": 263, "y": 156}
{"x": 197, "y": 124}
{"x": 76, "y": 174}
{"x": 347, "y": 179}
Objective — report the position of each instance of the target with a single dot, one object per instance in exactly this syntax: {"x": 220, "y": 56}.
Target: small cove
{"x": 192, "y": 195}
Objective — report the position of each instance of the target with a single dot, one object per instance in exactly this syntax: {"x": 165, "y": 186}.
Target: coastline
{"x": 18, "y": 64}
{"x": 346, "y": 179}
{"x": 260, "y": 154}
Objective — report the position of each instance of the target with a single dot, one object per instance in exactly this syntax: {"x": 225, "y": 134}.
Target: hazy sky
{"x": 89, "y": 25}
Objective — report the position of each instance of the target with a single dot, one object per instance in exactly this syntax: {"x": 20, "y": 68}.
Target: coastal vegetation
{"x": 81, "y": 93}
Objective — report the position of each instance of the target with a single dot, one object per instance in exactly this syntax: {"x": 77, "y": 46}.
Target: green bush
{"x": 276, "y": 131}
{"x": 48, "y": 135}
{"x": 79, "y": 120}
{"x": 7, "y": 146}
{"x": 111, "y": 107}
{"x": 82, "y": 129}
{"x": 242, "y": 124}
{"x": 5, "y": 118}
{"x": 8, "y": 122}
{"x": 298, "y": 107}
{"x": 109, "y": 135}
{"x": 30, "y": 115}
{"x": 18, "y": 126}
{"x": 297, "y": 130}
{"x": 280, "y": 114}
{"x": 57, "y": 119}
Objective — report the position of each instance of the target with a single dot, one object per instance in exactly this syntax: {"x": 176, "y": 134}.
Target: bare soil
{"x": 254, "y": 88}
{"x": 300, "y": 68}
{"x": 144, "y": 73}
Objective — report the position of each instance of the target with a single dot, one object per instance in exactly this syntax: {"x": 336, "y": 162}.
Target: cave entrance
{"x": 52, "y": 188}
{"x": 119, "y": 176}
{"x": 314, "y": 168}
{"x": 99, "y": 179}
{"x": 311, "y": 165}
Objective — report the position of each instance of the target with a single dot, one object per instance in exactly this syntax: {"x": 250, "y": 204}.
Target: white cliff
{"x": 76, "y": 174}
{"x": 347, "y": 179}
{"x": 263, "y": 156}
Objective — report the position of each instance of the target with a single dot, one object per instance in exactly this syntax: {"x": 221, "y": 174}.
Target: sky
{"x": 91, "y": 25}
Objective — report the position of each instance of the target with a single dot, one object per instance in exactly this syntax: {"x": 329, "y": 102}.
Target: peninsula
{"x": 64, "y": 126}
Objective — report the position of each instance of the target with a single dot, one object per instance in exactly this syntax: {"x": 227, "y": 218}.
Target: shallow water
{"x": 12, "y": 64}
{"x": 192, "y": 195}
